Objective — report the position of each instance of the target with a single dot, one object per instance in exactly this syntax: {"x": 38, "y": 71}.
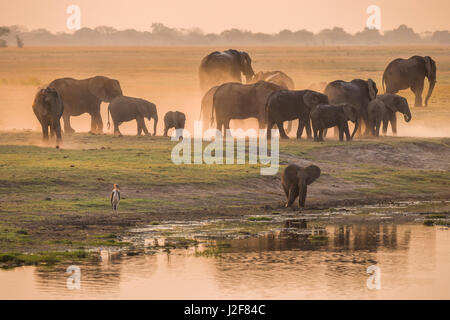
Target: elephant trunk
{"x": 407, "y": 116}
{"x": 155, "y": 118}
{"x": 430, "y": 91}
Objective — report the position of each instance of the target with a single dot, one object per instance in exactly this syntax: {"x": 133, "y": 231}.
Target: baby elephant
{"x": 295, "y": 181}
{"x": 125, "y": 109}
{"x": 174, "y": 119}
{"x": 326, "y": 116}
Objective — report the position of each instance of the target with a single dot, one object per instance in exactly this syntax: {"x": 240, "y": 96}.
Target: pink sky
{"x": 218, "y": 15}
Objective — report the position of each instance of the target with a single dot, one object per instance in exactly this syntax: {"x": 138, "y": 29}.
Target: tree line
{"x": 160, "y": 34}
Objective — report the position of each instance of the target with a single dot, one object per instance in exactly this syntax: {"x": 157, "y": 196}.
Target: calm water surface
{"x": 414, "y": 261}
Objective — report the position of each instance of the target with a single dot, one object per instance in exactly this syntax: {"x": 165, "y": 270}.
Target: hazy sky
{"x": 217, "y": 15}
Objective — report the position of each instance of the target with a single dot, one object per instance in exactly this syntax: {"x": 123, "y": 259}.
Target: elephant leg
{"x": 341, "y": 133}
{"x": 377, "y": 129}
{"x": 44, "y": 131}
{"x": 139, "y": 130}
{"x": 67, "y": 128}
{"x": 57, "y": 126}
{"x": 347, "y": 132}
{"x": 308, "y": 128}
{"x": 99, "y": 123}
{"x": 394, "y": 124}
{"x": 293, "y": 194}
{"x": 141, "y": 123}
{"x": 302, "y": 197}
{"x": 417, "y": 88}
{"x": 283, "y": 134}
{"x": 270, "y": 125}
{"x": 286, "y": 191}
{"x": 321, "y": 132}
{"x": 385, "y": 125}
{"x": 52, "y": 131}
{"x": 116, "y": 129}
{"x": 301, "y": 126}
{"x": 166, "y": 129}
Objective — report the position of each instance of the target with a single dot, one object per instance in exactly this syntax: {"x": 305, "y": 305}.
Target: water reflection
{"x": 328, "y": 262}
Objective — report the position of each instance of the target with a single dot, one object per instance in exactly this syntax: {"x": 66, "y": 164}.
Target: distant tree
{"x": 19, "y": 41}
{"x": 300, "y": 36}
{"x": 336, "y": 35}
{"x": 105, "y": 30}
{"x": 403, "y": 34}
{"x": 441, "y": 37}
{"x": 368, "y": 36}
{"x": 4, "y": 31}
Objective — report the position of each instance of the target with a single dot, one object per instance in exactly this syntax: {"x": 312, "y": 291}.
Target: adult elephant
{"x": 227, "y": 66}
{"x": 241, "y": 101}
{"x": 85, "y": 96}
{"x": 286, "y": 105}
{"x": 48, "y": 108}
{"x": 278, "y": 77}
{"x": 174, "y": 119}
{"x": 410, "y": 73}
{"x": 125, "y": 109}
{"x": 357, "y": 92}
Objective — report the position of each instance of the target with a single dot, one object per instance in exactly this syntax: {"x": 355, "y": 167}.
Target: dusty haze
{"x": 169, "y": 78}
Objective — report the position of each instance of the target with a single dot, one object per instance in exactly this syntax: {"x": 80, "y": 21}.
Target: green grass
{"x": 12, "y": 259}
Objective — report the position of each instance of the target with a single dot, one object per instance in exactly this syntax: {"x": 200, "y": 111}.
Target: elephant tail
{"x": 108, "y": 124}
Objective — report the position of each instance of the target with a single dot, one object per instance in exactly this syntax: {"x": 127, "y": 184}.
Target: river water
{"x": 413, "y": 262}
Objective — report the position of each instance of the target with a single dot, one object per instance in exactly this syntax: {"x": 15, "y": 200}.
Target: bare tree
{"x": 4, "y": 31}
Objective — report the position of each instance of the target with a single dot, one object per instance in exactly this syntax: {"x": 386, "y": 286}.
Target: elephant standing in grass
{"x": 384, "y": 109}
{"x": 356, "y": 92}
{"x": 85, "y": 96}
{"x": 328, "y": 116}
{"x": 402, "y": 74}
{"x": 227, "y": 66}
{"x": 241, "y": 101}
{"x": 287, "y": 105}
{"x": 295, "y": 181}
{"x": 125, "y": 109}
{"x": 174, "y": 119}
{"x": 48, "y": 108}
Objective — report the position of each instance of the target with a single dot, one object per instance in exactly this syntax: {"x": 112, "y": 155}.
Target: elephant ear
{"x": 428, "y": 65}
{"x": 350, "y": 111}
{"x": 312, "y": 173}
{"x": 311, "y": 99}
{"x": 97, "y": 87}
{"x": 372, "y": 89}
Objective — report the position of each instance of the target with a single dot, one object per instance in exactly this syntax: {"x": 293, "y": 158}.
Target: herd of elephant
{"x": 270, "y": 97}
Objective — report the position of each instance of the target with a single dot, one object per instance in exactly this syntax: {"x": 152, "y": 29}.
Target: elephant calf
{"x": 125, "y": 109}
{"x": 48, "y": 108}
{"x": 295, "y": 181}
{"x": 174, "y": 119}
{"x": 327, "y": 116}
{"x": 383, "y": 108}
